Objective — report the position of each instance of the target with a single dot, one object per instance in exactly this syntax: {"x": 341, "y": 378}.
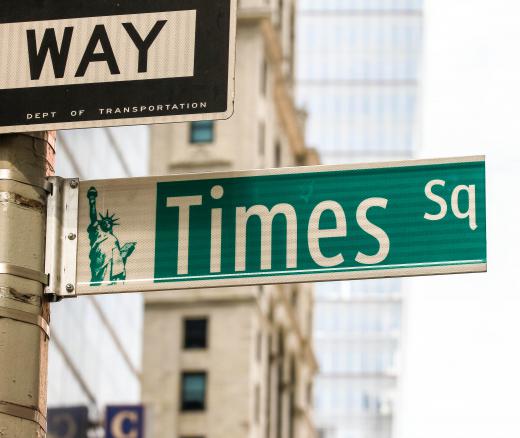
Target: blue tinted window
{"x": 193, "y": 391}
{"x": 202, "y": 132}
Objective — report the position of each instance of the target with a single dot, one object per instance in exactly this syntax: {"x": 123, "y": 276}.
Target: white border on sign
{"x": 139, "y": 286}
{"x": 295, "y": 170}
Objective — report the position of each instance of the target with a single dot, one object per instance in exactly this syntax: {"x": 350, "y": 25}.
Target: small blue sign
{"x": 70, "y": 422}
{"x": 124, "y": 422}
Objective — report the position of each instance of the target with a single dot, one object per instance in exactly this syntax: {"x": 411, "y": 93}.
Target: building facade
{"x": 236, "y": 362}
{"x": 95, "y": 349}
{"x": 358, "y": 74}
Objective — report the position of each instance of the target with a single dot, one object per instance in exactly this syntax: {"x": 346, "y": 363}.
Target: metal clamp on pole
{"x": 23, "y": 412}
{"x": 20, "y": 271}
{"x": 9, "y": 175}
{"x": 62, "y": 237}
{"x": 28, "y": 318}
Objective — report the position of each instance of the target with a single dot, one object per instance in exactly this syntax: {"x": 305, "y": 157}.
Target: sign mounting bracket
{"x": 62, "y": 237}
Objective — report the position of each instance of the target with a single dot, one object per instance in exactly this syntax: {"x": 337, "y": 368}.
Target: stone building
{"x": 236, "y": 362}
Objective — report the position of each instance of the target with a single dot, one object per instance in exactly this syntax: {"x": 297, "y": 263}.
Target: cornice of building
{"x": 201, "y": 297}
{"x": 283, "y": 98}
{"x": 312, "y": 157}
{"x": 306, "y": 415}
{"x": 288, "y": 113}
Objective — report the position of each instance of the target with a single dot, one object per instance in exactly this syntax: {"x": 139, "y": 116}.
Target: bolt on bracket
{"x": 62, "y": 231}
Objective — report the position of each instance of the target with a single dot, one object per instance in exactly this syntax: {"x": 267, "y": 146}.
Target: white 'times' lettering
{"x": 247, "y": 220}
{"x": 216, "y": 232}
{"x": 315, "y": 233}
{"x": 266, "y": 217}
{"x": 183, "y": 203}
{"x": 373, "y": 230}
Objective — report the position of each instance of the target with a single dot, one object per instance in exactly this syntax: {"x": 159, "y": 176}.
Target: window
{"x": 257, "y": 404}
{"x": 309, "y": 393}
{"x": 193, "y": 393}
{"x": 259, "y": 346}
{"x": 261, "y": 138}
{"x": 265, "y": 77}
{"x": 195, "y": 333}
{"x": 280, "y": 13}
{"x": 202, "y": 132}
{"x": 294, "y": 298}
{"x": 278, "y": 155}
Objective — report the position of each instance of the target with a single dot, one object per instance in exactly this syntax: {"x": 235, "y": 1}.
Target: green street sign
{"x": 302, "y": 224}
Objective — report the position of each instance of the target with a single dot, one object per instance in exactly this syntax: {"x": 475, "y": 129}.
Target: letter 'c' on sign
{"x": 128, "y": 417}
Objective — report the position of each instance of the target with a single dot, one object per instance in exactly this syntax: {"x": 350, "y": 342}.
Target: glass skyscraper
{"x": 358, "y": 73}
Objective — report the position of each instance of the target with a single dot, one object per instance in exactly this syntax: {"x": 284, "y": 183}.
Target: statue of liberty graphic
{"x": 107, "y": 256}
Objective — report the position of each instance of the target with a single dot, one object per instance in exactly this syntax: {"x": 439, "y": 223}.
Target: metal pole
{"x": 25, "y": 161}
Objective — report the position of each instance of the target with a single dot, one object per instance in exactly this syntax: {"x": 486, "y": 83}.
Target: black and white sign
{"x": 71, "y": 64}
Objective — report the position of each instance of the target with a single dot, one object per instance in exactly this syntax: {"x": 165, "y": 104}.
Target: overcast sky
{"x": 462, "y": 341}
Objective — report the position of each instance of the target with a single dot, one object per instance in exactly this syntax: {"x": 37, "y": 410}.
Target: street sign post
{"x": 274, "y": 226}
{"x": 104, "y": 63}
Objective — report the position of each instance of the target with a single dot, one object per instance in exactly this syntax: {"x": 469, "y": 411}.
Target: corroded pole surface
{"x": 25, "y": 161}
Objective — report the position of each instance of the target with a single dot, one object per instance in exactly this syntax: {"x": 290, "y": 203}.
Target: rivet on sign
{"x": 71, "y": 236}
{"x": 69, "y": 288}
{"x": 74, "y": 184}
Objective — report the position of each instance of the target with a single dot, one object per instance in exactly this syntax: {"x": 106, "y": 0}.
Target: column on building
{"x": 236, "y": 362}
